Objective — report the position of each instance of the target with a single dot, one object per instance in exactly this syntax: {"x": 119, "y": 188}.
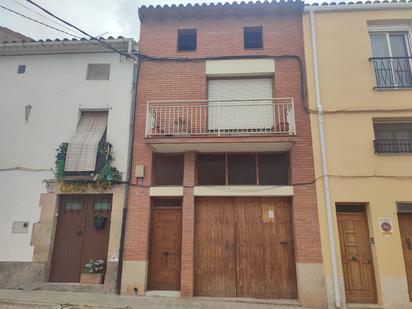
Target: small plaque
{"x": 268, "y": 214}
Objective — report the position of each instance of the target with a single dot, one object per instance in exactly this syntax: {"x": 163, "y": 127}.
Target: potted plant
{"x": 93, "y": 273}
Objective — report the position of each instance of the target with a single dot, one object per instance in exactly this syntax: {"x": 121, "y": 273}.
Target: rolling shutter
{"x": 82, "y": 150}
{"x": 240, "y": 104}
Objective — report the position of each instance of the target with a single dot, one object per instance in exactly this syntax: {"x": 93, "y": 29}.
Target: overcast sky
{"x": 97, "y": 17}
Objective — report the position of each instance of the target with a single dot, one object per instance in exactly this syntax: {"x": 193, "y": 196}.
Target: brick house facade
{"x": 165, "y": 73}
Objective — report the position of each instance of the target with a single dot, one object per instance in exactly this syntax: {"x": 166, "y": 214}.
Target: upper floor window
{"x": 186, "y": 39}
{"x": 253, "y": 37}
{"x": 21, "y": 69}
{"x": 393, "y": 137}
{"x": 168, "y": 169}
{"x": 391, "y": 57}
{"x": 98, "y": 71}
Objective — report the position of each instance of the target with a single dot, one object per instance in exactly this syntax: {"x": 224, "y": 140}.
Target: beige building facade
{"x": 358, "y": 62}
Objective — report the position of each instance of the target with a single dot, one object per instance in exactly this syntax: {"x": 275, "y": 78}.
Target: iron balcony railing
{"x": 393, "y": 146}
{"x": 392, "y": 72}
{"x": 217, "y": 118}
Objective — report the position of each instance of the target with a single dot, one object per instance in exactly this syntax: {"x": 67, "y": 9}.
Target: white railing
{"x": 224, "y": 117}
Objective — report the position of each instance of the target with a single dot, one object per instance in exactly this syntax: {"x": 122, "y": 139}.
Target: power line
{"x": 39, "y": 22}
{"x": 44, "y": 16}
{"x": 80, "y": 30}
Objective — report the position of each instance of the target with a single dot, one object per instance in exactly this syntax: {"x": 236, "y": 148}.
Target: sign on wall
{"x": 385, "y": 225}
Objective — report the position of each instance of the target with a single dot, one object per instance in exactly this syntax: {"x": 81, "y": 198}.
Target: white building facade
{"x": 47, "y": 91}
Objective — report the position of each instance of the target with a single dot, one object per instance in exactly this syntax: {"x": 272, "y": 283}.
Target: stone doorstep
{"x": 280, "y": 302}
{"x": 364, "y": 306}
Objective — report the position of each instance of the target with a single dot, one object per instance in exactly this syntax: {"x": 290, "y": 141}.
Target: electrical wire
{"x": 145, "y": 57}
{"x": 80, "y": 30}
{"x": 39, "y": 22}
{"x": 44, "y": 16}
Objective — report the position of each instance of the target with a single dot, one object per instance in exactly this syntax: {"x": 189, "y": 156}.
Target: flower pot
{"x": 91, "y": 278}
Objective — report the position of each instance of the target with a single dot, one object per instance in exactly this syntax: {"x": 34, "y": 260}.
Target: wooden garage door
{"x": 244, "y": 247}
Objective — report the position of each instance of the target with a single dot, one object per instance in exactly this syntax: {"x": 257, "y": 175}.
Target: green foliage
{"x": 94, "y": 266}
{"x": 103, "y": 178}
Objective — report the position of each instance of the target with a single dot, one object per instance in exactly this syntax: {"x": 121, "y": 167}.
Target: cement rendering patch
{"x": 24, "y": 299}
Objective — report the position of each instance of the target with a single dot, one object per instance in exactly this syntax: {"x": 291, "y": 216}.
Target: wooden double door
{"x": 244, "y": 248}
{"x": 82, "y": 233}
{"x": 357, "y": 263}
{"x": 405, "y": 226}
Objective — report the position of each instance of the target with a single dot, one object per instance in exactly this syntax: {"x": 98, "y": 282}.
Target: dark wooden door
{"x": 405, "y": 226}
{"x": 76, "y": 239}
{"x": 244, "y": 247}
{"x": 165, "y": 249}
{"x": 356, "y": 255}
{"x": 215, "y": 258}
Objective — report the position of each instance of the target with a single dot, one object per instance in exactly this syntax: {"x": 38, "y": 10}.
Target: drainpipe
{"x": 324, "y": 163}
{"x": 129, "y": 163}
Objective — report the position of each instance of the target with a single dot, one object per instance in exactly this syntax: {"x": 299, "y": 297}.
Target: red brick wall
{"x": 187, "y": 81}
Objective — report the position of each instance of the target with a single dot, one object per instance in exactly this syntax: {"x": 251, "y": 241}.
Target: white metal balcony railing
{"x": 224, "y": 117}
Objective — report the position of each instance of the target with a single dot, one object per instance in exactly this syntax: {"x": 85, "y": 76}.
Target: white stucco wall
{"x": 56, "y": 88}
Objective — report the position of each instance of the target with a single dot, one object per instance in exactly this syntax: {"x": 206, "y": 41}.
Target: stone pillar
{"x": 188, "y": 225}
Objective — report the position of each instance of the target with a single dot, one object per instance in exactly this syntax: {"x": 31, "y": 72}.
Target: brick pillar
{"x": 188, "y": 227}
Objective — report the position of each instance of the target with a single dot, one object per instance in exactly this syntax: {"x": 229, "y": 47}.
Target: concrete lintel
{"x": 243, "y": 191}
{"x": 166, "y": 191}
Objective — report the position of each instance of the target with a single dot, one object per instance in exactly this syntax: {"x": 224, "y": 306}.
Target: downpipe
{"x": 326, "y": 190}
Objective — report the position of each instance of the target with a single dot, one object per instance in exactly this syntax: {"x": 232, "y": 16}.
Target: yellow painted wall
{"x": 346, "y": 83}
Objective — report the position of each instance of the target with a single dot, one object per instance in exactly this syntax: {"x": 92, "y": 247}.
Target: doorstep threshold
{"x": 289, "y": 302}
{"x": 363, "y": 306}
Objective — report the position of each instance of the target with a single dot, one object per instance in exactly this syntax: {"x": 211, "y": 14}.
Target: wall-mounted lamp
{"x": 27, "y": 110}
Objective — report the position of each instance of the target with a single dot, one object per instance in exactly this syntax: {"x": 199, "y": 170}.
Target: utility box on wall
{"x": 20, "y": 227}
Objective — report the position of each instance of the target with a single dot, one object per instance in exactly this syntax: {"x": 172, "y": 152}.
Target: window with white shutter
{"x": 82, "y": 149}
{"x": 241, "y": 104}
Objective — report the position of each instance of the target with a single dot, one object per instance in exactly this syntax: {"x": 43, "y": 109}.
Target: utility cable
{"x": 80, "y": 30}
{"x": 39, "y": 22}
{"x": 44, "y": 16}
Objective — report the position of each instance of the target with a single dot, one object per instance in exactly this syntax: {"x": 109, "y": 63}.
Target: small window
{"x": 102, "y": 206}
{"x": 211, "y": 170}
{"x": 253, "y": 37}
{"x": 21, "y": 69}
{"x": 168, "y": 169}
{"x": 242, "y": 169}
{"x": 404, "y": 207}
{"x": 167, "y": 202}
{"x": 186, "y": 39}
{"x": 393, "y": 137}
{"x": 98, "y": 71}
{"x": 350, "y": 208}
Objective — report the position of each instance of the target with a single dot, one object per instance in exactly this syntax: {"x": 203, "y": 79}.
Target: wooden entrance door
{"x": 77, "y": 240}
{"x": 356, "y": 256}
{"x": 244, "y": 247}
{"x": 405, "y": 226}
{"x": 165, "y": 249}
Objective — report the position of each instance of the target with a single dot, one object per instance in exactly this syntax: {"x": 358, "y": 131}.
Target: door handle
{"x": 283, "y": 243}
{"x": 408, "y": 244}
{"x": 166, "y": 253}
{"x": 354, "y": 258}
{"x": 79, "y": 233}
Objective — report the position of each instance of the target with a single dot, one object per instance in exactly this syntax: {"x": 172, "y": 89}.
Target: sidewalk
{"x": 24, "y": 299}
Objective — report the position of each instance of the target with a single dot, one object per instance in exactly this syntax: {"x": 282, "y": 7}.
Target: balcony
{"x": 399, "y": 146}
{"x": 220, "y": 118}
{"x": 392, "y": 72}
